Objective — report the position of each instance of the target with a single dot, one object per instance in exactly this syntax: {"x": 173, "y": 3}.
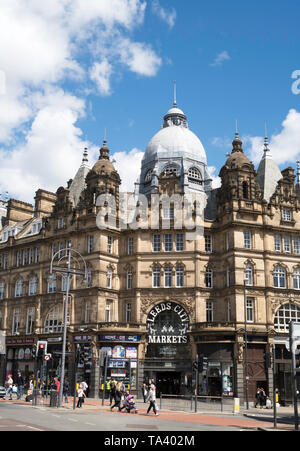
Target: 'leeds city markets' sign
{"x": 168, "y": 323}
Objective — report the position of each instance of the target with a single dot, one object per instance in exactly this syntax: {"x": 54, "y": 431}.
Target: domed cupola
{"x": 174, "y": 151}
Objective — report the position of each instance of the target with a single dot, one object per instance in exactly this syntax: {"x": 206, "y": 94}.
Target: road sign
{"x": 47, "y": 357}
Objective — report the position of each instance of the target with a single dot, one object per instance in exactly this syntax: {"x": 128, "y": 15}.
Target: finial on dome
{"x": 175, "y": 95}
{"x": 237, "y": 143}
{"x": 104, "y": 151}
{"x": 85, "y": 158}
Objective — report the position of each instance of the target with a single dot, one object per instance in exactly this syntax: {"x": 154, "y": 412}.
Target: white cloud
{"x": 128, "y": 164}
{"x": 284, "y": 146}
{"x": 216, "y": 181}
{"x": 139, "y": 57}
{"x": 44, "y": 44}
{"x": 221, "y": 58}
{"x": 100, "y": 73}
{"x": 168, "y": 16}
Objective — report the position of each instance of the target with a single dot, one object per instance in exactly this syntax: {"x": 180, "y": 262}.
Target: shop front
{"x": 168, "y": 360}
{"x": 19, "y": 357}
{"x": 122, "y": 365}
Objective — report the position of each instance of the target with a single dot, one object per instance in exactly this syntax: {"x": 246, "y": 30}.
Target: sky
{"x": 75, "y": 71}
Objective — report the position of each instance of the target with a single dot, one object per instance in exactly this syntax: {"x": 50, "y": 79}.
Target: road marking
{"x": 36, "y": 429}
{"x": 91, "y": 424}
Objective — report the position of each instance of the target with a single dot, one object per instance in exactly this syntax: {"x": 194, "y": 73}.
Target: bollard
{"x": 236, "y": 405}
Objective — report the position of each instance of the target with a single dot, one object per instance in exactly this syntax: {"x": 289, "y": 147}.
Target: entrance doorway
{"x": 168, "y": 383}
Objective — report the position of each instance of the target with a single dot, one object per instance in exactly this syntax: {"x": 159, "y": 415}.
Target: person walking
{"x": 66, "y": 390}
{"x": 84, "y": 386}
{"x": 118, "y": 397}
{"x": 81, "y": 395}
{"x": 20, "y": 385}
{"x": 144, "y": 392}
{"x": 9, "y": 387}
{"x": 112, "y": 392}
{"x": 152, "y": 400}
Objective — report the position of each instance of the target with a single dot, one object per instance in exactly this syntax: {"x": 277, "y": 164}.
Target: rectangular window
{"x": 2, "y": 290}
{"x": 108, "y": 312}
{"x": 37, "y": 255}
{"x": 130, "y": 246}
{"x": 286, "y": 215}
{"x": 18, "y": 288}
{"x": 168, "y": 276}
{"x": 297, "y": 245}
{"x": 30, "y": 320}
{"x": 168, "y": 213}
{"x": 60, "y": 223}
{"x": 227, "y": 241}
{"x": 179, "y": 276}
{"x": 53, "y": 249}
{"x": 247, "y": 239}
{"x": 109, "y": 278}
{"x": 87, "y": 312}
{"x": 31, "y": 255}
{"x": 277, "y": 243}
{"x": 19, "y": 258}
{"x": 5, "y": 262}
{"x": 228, "y": 277}
{"x": 52, "y": 284}
{"x": 90, "y": 244}
{"x": 208, "y": 244}
{"x": 156, "y": 277}
{"x": 129, "y": 280}
{"x": 16, "y": 321}
{"x": 228, "y": 311}
{"x": 287, "y": 244}
{"x": 179, "y": 242}
{"x": 168, "y": 242}
{"x": 110, "y": 242}
{"x": 250, "y": 310}
{"x": 128, "y": 313}
{"x": 209, "y": 312}
{"x": 156, "y": 243}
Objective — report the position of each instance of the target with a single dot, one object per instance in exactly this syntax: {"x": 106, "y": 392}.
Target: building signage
{"x": 168, "y": 323}
{"x": 123, "y": 338}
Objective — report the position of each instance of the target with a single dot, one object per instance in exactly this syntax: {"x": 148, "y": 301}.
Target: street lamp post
{"x": 67, "y": 272}
{"x": 246, "y": 346}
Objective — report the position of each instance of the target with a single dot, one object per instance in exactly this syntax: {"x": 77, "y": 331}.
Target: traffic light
{"x": 195, "y": 365}
{"x": 202, "y": 364}
{"x": 41, "y": 349}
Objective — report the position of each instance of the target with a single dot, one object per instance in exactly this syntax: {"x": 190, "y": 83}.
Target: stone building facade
{"x": 155, "y": 297}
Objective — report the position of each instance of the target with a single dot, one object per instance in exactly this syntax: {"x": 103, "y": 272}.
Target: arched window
{"x": 296, "y": 278}
{"x": 286, "y": 314}
{"x": 54, "y": 320}
{"x": 19, "y": 288}
{"x": 170, "y": 171}
{"x": 209, "y": 278}
{"x": 249, "y": 275}
{"x": 148, "y": 176}
{"x": 279, "y": 276}
{"x": 129, "y": 279}
{"x": 109, "y": 278}
{"x": 194, "y": 176}
{"x": 33, "y": 282}
{"x": 245, "y": 190}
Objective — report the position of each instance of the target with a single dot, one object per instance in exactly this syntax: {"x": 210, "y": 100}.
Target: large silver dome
{"x": 173, "y": 142}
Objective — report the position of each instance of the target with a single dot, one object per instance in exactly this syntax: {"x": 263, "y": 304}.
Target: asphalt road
{"x": 15, "y": 417}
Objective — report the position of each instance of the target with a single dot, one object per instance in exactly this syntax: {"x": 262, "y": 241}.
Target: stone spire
{"x": 104, "y": 151}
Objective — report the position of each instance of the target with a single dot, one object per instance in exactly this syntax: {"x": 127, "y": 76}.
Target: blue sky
{"x": 77, "y": 68}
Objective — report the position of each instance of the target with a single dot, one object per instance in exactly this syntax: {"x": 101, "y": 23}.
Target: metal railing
{"x": 188, "y": 403}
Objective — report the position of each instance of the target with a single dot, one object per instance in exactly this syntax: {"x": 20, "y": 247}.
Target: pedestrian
{"x": 118, "y": 397}
{"x": 20, "y": 384}
{"x": 144, "y": 392}
{"x": 9, "y": 387}
{"x": 152, "y": 400}
{"x": 66, "y": 390}
{"x": 112, "y": 392}
{"x": 81, "y": 396}
{"x": 84, "y": 386}
{"x": 262, "y": 398}
{"x": 257, "y": 396}
{"x": 57, "y": 383}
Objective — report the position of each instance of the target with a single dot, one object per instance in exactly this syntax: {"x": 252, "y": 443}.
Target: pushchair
{"x": 129, "y": 404}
